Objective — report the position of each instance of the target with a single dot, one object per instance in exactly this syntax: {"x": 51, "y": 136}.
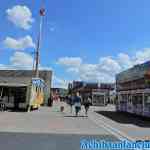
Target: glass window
{"x": 147, "y": 99}
{"x": 137, "y": 99}
{"x": 129, "y": 98}
{"x": 124, "y": 97}
{"x": 20, "y": 94}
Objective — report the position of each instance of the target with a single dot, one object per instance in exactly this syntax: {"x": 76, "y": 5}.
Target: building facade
{"x": 58, "y": 93}
{"x": 98, "y": 92}
{"x": 133, "y": 90}
{"x": 24, "y": 77}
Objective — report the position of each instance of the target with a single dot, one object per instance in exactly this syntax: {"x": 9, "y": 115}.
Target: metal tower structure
{"x": 37, "y": 53}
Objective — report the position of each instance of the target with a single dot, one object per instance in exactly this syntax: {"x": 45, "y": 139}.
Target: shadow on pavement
{"x": 76, "y": 116}
{"x": 16, "y": 110}
{"x": 126, "y": 118}
{"x": 19, "y": 110}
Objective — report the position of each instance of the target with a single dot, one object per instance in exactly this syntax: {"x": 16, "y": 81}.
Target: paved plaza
{"x": 49, "y": 120}
{"x": 128, "y": 125}
{"x": 50, "y": 129}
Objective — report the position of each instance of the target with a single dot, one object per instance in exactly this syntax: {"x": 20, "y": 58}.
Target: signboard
{"x": 38, "y": 82}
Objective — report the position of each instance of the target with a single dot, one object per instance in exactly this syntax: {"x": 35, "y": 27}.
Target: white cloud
{"x": 95, "y": 73}
{"x": 21, "y": 16}
{"x": 58, "y": 82}
{"x": 70, "y": 61}
{"x": 125, "y": 61}
{"x": 73, "y": 69}
{"x": 142, "y": 56}
{"x": 107, "y": 67}
{"x": 45, "y": 68}
{"x": 90, "y": 72}
{"x": 19, "y": 44}
{"x": 21, "y": 60}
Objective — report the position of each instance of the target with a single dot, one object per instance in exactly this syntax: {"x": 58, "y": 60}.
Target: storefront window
{"x": 137, "y": 99}
{"x": 124, "y": 97}
{"x": 147, "y": 99}
{"x": 129, "y": 99}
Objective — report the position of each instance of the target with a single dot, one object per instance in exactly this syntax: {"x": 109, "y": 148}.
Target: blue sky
{"x": 89, "y": 40}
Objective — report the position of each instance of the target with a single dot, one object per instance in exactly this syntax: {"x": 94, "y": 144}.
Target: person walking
{"x": 77, "y": 103}
{"x": 50, "y": 101}
{"x": 70, "y": 102}
{"x": 87, "y": 104}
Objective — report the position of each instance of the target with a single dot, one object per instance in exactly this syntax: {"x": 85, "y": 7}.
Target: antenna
{"x": 37, "y": 53}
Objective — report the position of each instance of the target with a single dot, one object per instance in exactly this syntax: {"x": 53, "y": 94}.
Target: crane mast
{"x": 37, "y": 53}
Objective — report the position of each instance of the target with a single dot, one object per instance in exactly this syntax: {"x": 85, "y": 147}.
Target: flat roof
{"x": 134, "y": 73}
{"x": 13, "y": 85}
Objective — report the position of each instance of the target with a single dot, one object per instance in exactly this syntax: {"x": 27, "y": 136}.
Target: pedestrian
{"x": 50, "y": 101}
{"x": 77, "y": 103}
{"x": 62, "y": 106}
{"x": 70, "y": 102}
{"x": 87, "y": 104}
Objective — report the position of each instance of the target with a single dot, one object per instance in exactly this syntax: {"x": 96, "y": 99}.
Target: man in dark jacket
{"x": 77, "y": 103}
